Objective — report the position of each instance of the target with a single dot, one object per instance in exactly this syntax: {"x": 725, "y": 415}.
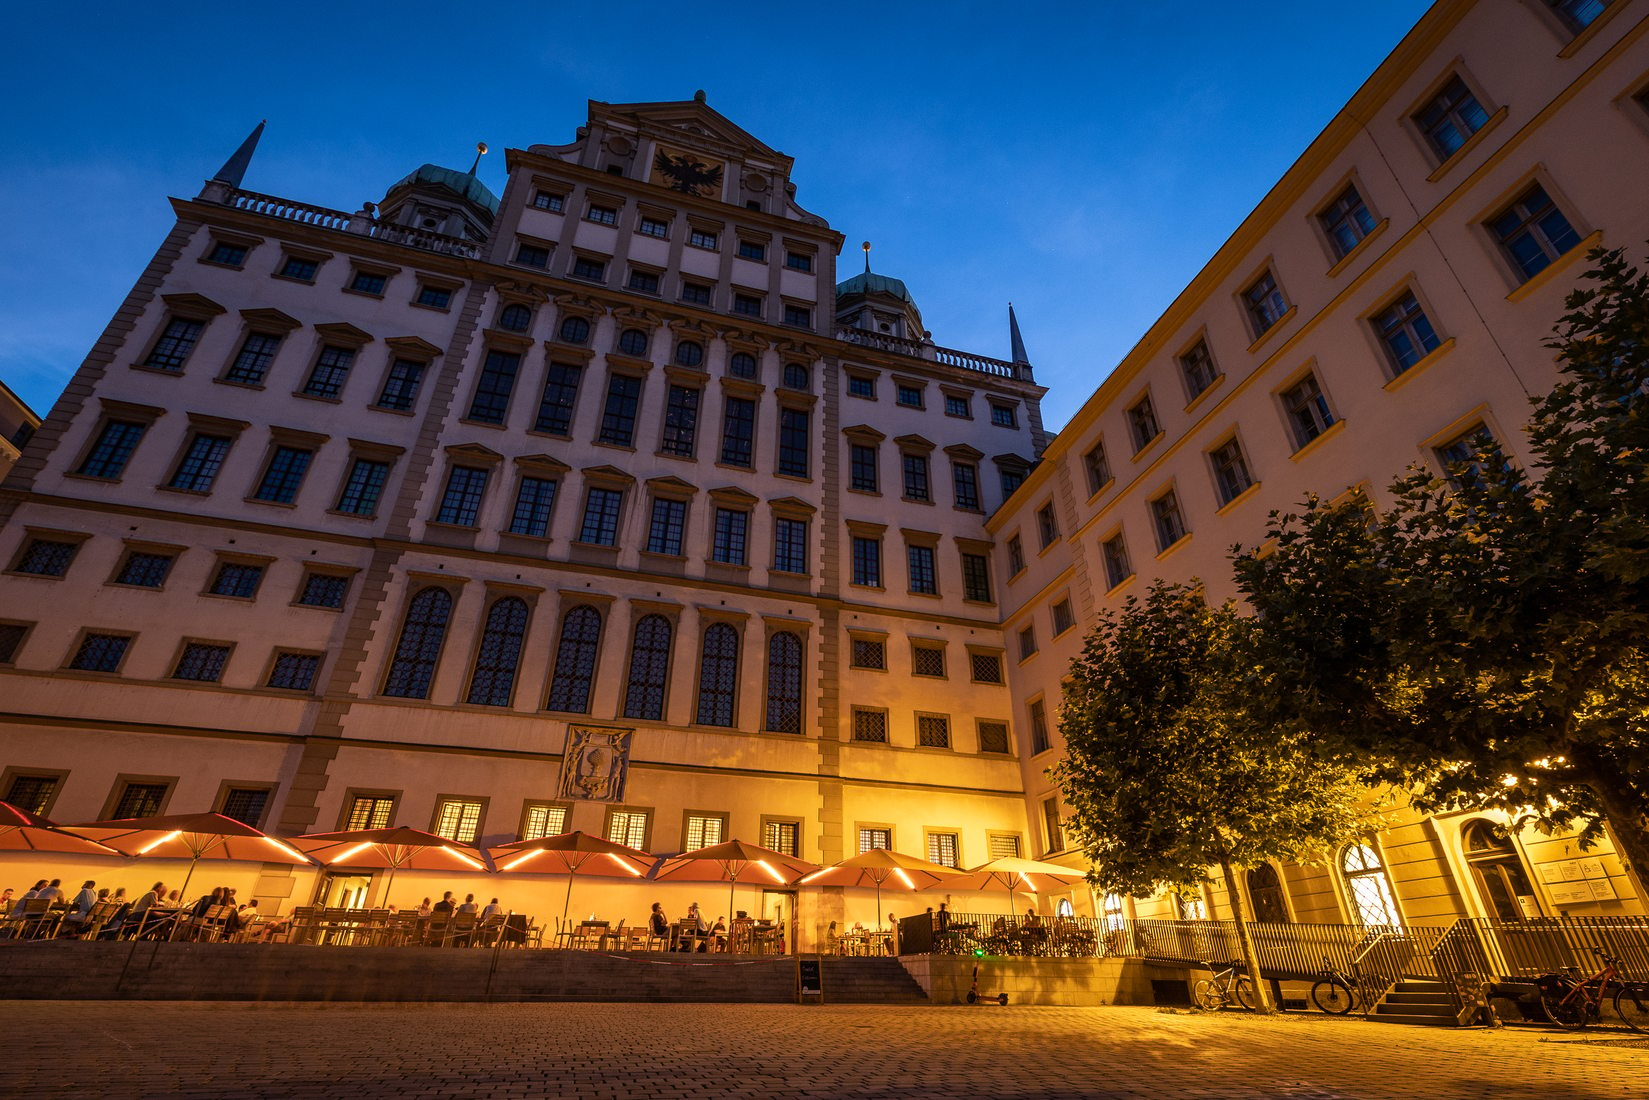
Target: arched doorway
{"x": 1265, "y": 894}
{"x": 1502, "y": 884}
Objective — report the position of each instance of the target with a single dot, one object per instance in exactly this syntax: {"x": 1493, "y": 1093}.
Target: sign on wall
{"x": 595, "y": 766}
{"x": 1577, "y": 881}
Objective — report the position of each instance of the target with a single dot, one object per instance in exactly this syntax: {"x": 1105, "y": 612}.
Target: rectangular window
{"x": 1406, "y": 333}
{"x": 1197, "y": 367}
{"x": 1027, "y": 642}
{"x": 139, "y": 800}
{"x": 201, "y": 662}
{"x": 862, "y": 467}
{"x": 915, "y": 469}
{"x": 627, "y": 827}
{"x": 784, "y": 837}
{"x": 145, "y": 570}
{"x": 752, "y": 250}
{"x": 790, "y": 545}
{"x": 703, "y": 238}
{"x": 871, "y": 839}
{"x": 993, "y": 737}
{"x": 965, "y": 476}
{"x": 958, "y": 406}
{"x": 1050, "y": 824}
{"x": 1231, "y": 477}
{"x": 1003, "y": 846}
{"x": 1452, "y": 116}
{"x": 1004, "y": 416}
{"x": 294, "y": 671}
{"x": 1115, "y": 553}
{"x": 908, "y": 396}
{"x": 618, "y": 418}
{"x": 653, "y": 227}
{"x": 252, "y": 362}
{"x": 644, "y": 282}
{"x": 1533, "y": 232}
{"x": 986, "y": 668}
{"x": 493, "y": 388}
{"x": 664, "y": 531}
{"x": 695, "y": 294}
{"x": 1307, "y": 410}
{"x": 200, "y": 464}
{"x": 555, "y": 409}
{"x": 458, "y": 820}
{"x": 172, "y": 350}
{"x": 548, "y": 200}
{"x": 534, "y": 500}
{"x": 1012, "y": 478}
{"x": 237, "y": 579}
{"x": 859, "y": 385}
{"x": 366, "y": 812}
{"x": 532, "y": 255}
{"x": 922, "y": 578}
{"x": 100, "y": 653}
{"x": 245, "y": 804}
{"x": 703, "y": 830}
{"x": 942, "y": 849}
{"x": 1039, "y": 728}
{"x": 867, "y": 562}
{"x": 11, "y": 638}
{"x": 603, "y": 215}
{"x": 800, "y": 316}
{"x": 227, "y": 254}
{"x": 1264, "y": 302}
{"x": 869, "y": 724}
{"x": 869, "y": 653}
{"x": 284, "y": 475}
{"x": 1047, "y": 525}
{"x": 369, "y": 282}
{"x": 798, "y": 261}
{"x": 1346, "y": 221}
{"x": 323, "y": 590}
{"x": 1165, "y": 515}
{"x": 1097, "y": 467}
{"x": 976, "y": 578}
{"x": 541, "y": 821}
{"x": 600, "y": 526}
{"x": 113, "y": 449}
{"x": 32, "y": 793}
{"x": 1064, "y": 617}
{"x": 747, "y": 304}
{"x": 586, "y": 268}
{"x": 1142, "y": 423}
{"x": 461, "y": 500}
{"x": 296, "y": 267}
{"x": 1462, "y": 457}
{"x": 434, "y": 297}
{"x": 363, "y": 487}
{"x": 794, "y": 442}
{"x": 1016, "y": 556}
{"x": 927, "y": 660}
{"x": 1577, "y": 15}
{"x": 738, "y": 431}
{"x": 401, "y": 386}
{"x": 731, "y": 527}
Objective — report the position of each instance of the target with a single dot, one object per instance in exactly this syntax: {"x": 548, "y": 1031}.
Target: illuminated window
{"x": 543, "y": 820}
{"x": 873, "y": 838}
{"x": 370, "y": 812}
{"x": 458, "y": 819}
{"x": 703, "y": 830}
{"x": 1372, "y": 902}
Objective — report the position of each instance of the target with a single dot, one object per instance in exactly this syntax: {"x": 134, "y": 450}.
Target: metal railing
{"x": 1528, "y": 949}
{"x": 950, "y": 357}
{"x": 271, "y": 206}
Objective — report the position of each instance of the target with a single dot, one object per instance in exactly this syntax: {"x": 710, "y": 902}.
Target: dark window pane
{"x": 113, "y": 449}
{"x": 175, "y": 343}
{"x": 461, "y": 502}
{"x": 718, "y": 676}
{"x": 601, "y": 510}
{"x": 500, "y": 653}
{"x": 401, "y": 387}
{"x": 555, "y": 411}
{"x": 413, "y": 667}
{"x": 575, "y": 660}
{"x": 492, "y": 390}
{"x": 294, "y": 671}
{"x": 533, "y": 503}
{"x": 201, "y": 662}
{"x": 201, "y": 463}
{"x": 252, "y": 362}
{"x": 283, "y": 477}
{"x": 363, "y": 488}
{"x": 649, "y": 669}
{"x": 784, "y": 683}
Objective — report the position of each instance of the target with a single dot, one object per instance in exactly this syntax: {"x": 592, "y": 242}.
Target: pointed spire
{"x": 1018, "y": 342}
{"x": 234, "y": 169}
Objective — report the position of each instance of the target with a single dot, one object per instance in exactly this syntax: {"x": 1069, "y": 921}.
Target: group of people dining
{"x": 104, "y": 913}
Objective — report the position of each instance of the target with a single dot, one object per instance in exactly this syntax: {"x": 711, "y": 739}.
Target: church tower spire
{"x": 1017, "y": 342}
{"x": 234, "y": 169}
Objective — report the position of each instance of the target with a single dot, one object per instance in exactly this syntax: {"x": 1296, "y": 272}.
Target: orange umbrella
{"x": 1013, "y": 873}
{"x": 570, "y": 854}
{"x": 729, "y": 861}
{"x": 190, "y": 836}
{"x": 21, "y": 831}
{"x": 394, "y": 848}
{"x": 881, "y": 865}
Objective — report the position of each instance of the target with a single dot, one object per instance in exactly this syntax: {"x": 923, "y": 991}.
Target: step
{"x": 1406, "y": 1008}
{"x": 1419, "y": 999}
{"x": 1415, "y": 1020}
{"x": 1422, "y": 985}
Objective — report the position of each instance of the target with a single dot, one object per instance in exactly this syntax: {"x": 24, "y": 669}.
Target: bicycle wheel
{"x": 1632, "y": 1006}
{"x": 1567, "y": 1012}
{"x": 1331, "y": 997}
{"x": 1208, "y": 996}
{"x": 1244, "y": 990}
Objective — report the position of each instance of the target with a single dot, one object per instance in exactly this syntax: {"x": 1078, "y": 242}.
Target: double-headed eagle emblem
{"x": 683, "y": 173}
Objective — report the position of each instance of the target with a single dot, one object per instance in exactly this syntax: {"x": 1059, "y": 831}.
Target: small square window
{"x": 245, "y": 804}
{"x": 1533, "y": 232}
{"x": 645, "y": 282}
{"x": 301, "y": 269}
{"x": 323, "y": 590}
{"x": 703, "y": 238}
{"x": 799, "y": 316}
{"x": 696, "y": 293}
{"x": 859, "y": 385}
{"x": 1452, "y": 116}
{"x": 549, "y": 200}
{"x": 283, "y": 476}
{"x": 1406, "y": 333}
{"x": 869, "y": 725}
{"x": 933, "y": 731}
{"x": 1004, "y": 416}
{"x": 369, "y": 282}
{"x": 798, "y": 261}
{"x": 603, "y": 215}
{"x": 46, "y": 557}
{"x": 752, "y": 250}
{"x": 434, "y": 297}
{"x": 993, "y": 737}
{"x": 228, "y": 254}
{"x": 871, "y": 839}
{"x": 32, "y": 793}
{"x": 958, "y": 406}
{"x": 654, "y": 227}
{"x": 201, "y": 661}
{"x": 927, "y": 660}
{"x": 586, "y": 268}
{"x": 986, "y": 668}
{"x": 532, "y": 255}
{"x": 749, "y": 305}
{"x": 869, "y": 653}
{"x": 139, "y": 800}
{"x": 909, "y": 396}
{"x": 942, "y": 849}
{"x": 367, "y": 812}
{"x": 294, "y": 671}
{"x": 1346, "y": 221}
{"x": 100, "y": 653}
{"x": 145, "y": 569}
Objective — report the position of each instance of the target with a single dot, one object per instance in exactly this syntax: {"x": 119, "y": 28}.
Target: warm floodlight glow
{"x": 805, "y": 879}
{"x": 1027, "y": 882}
{"x": 451, "y": 851}
{"x": 288, "y": 849}
{"x": 904, "y": 878}
{"x": 351, "y": 852}
{"x": 153, "y": 844}
{"x": 524, "y": 857}
{"x": 772, "y": 874}
{"x": 624, "y": 863}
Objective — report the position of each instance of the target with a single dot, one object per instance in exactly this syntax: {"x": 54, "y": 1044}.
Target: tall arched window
{"x": 1265, "y": 894}
{"x": 1116, "y": 918}
{"x": 575, "y": 660}
{"x": 649, "y": 669}
{"x": 413, "y": 667}
{"x": 500, "y": 653}
{"x": 1372, "y": 902}
{"x": 719, "y": 675}
{"x": 784, "y": 683}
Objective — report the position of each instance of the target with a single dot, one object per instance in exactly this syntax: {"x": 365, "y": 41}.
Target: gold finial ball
{"x": 865, "y": 246}
{"x": 699, "y": 96}
{"x": 481, "y": 147}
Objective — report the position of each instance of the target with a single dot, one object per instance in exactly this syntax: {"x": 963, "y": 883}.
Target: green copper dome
{"x": 871, "y": 283}
{"x": 460, "y": 183}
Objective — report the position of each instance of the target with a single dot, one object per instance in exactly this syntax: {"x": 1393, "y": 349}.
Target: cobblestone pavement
{"x": 665, "y": 1052}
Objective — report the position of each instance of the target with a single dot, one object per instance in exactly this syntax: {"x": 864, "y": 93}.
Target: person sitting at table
{"x": 717, "y": 938}
{"x": 80, "y": 909}
{"x": 492, "y": 909}
{"x": 445, "y": 906}
{"x": 140, "y": 911}
{"x": 424, "y": 909}
{"x": 469, "y": 905}
{"x": 694, "y": 930}
{"x": 832, "y": 939}
{"x": 657, "y": 922}
{"x": 28, "y": 895}
{"x": 51, "y": 892}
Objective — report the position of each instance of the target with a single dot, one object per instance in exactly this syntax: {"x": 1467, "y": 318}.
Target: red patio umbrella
{"x": 394, "y": 848}
{"x": 22, "y": 831}
{"x": 570, "y": 854}
{"x": 729, "y": 861}
{"x": 190, "y": 836}
{"x": 880, "y": 865}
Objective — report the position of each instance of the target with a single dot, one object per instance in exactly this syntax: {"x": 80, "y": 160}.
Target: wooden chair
{"x": 460, "y": 930}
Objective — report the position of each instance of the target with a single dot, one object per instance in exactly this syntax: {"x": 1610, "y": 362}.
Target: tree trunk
{"x": 1627, "y": 819}
{"x": 1262, "y": 996}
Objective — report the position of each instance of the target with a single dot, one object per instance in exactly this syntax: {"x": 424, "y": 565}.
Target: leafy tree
{"x": 1167, "y": 772}
{"x": 1485, "y": 642}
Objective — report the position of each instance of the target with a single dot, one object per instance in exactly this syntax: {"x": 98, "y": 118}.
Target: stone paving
{"x": 678, "y": 1052}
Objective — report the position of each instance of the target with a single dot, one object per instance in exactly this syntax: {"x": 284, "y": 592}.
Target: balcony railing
{"x": 364, "y": 225}
{"x": 950, "y": 357}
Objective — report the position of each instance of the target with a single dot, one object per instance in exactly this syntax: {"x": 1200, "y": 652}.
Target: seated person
{"x": 657, "y": 922}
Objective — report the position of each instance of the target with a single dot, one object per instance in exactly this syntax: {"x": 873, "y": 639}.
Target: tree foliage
{"x": 1483, "y": 643}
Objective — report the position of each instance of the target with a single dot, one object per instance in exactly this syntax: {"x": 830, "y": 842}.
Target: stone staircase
{"x": 1418, "y": 1003}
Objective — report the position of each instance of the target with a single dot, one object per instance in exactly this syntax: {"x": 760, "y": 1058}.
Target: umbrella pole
{"x": 388, "y": 881}
{"x": 732, "y": 884}
{"x": 568, "y": 900}
{"x": 183, "y": 896}
{"x": 878, "y": 905}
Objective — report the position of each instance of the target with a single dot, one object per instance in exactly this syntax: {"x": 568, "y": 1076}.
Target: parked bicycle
{"x": 1337, "y": 992}
{"x": 1224, "y": 989}
{"x": 1572, "y": 1002}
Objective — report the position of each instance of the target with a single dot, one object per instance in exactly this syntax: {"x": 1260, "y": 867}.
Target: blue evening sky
{"x": 1083, "y": 160}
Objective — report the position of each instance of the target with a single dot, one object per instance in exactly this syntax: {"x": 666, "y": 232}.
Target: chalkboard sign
{"x": 809, "y": 978}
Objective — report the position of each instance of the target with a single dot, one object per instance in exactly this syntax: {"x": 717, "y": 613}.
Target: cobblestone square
{"x": 122, "y": 1050}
